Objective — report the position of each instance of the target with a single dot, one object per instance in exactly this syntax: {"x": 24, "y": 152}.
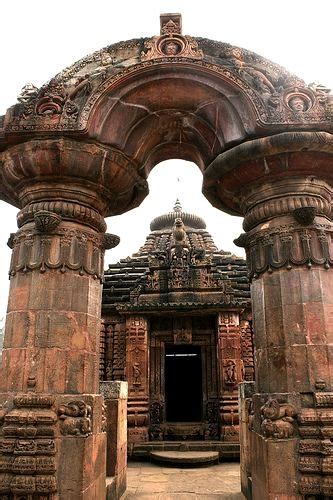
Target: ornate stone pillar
{"x": 231, "y": 370}
{"x": 283, "y": 186}
{"x": 137, "y": 378}
{"x": 52, "y": 439}
{"x": 289, "y": 253}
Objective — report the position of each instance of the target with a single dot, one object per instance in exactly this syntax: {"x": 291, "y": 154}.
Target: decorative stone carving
{"x": 212, "y": 418}
{"x": 51, "y": 100}
{"x": 113, "y": 389}
{"x": 287, "y": 246}
{"x": 28, "y": 92}
{"x": 27, "y": 446}
{"x": 315, "y": 446}
{"x": 65, "y": 249}
{"x": 115, "y": 349}
{"x": 170, "y": 23}
{"x": 230, "y": 372}
{"x": 136, "y": 374}
{"x": 182, "y": 330}
{"x": 76, "y": 418}
{"x": 137, "y": 377}
{"x": 247, "y": 349}
{"x": 110, "y": 241}
{"x": 277, "y": 419}
{"x": 171, "y": 45}
{"x": 46, "y": 221}
{"x": 67, "y": 211}
{"x": 304, "y": 215}
{"x": 156, "y": 413}
{"x": 286, "y": 205}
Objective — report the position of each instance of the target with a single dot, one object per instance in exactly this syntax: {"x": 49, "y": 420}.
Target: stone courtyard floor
{"x": 146, "y": 480}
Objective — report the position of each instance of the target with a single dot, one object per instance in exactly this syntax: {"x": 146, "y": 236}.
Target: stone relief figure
{"x": 75, "y": 418}
{"x": 298, "y": 104}
{"x": 277, "y": 419}
{"x": 171, "y": 48}
{"x": 136, "y": 374}
{"x": 179, "y": 252}
{"x": 230, "y": 372}
{"x": 260, "y": 81}
{"x": 183, "y": 336}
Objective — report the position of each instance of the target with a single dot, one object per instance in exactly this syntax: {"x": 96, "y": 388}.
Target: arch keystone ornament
{"x": 79, "y": 149}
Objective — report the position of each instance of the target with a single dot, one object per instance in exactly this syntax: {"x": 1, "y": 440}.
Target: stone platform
{"x": 226, "y": 450}
{"x": 185, "y": 458}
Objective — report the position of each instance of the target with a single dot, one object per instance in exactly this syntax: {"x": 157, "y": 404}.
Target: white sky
{"x": 40, "y": 38}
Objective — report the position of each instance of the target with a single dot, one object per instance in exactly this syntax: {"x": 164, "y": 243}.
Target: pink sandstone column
{"x": 282, "y": 185}
{"x": 289, "y": 258}
{"x": 52, "y": 439}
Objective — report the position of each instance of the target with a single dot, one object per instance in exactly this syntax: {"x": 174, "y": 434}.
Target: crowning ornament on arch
{"x": 80, "y": 149}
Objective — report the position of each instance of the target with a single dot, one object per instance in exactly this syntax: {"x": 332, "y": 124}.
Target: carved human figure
{"x": 136, "y": 374}
{"x": 171, "y": 48}
{"x": 298, "y": 104}
{"x": 230, "y": 372}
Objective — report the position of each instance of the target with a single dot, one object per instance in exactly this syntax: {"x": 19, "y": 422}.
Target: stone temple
{"x": 79, "y": 149}
{"x": 177, "y": 328}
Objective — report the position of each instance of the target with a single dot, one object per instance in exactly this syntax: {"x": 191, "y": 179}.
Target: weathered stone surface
{"x": 269, "y": 158}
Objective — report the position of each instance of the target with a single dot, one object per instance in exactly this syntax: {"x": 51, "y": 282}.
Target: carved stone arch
{"x": 182, "y": 97}
{"x": 71, "y": 155}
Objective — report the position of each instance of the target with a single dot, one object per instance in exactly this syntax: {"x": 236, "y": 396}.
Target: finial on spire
{"x": 177, "y": 207}
{"x": 171, "y": 24}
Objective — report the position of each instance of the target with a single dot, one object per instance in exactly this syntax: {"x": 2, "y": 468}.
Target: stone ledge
{"x": 114, "y": 389}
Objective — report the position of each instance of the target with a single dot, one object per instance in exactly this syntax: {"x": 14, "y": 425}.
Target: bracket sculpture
{"x": 79, "y": 149}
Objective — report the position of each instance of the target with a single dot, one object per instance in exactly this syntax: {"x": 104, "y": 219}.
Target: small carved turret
{"x": 178, "y": 233}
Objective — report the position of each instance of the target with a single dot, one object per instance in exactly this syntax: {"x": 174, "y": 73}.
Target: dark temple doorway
{"x": 183, "y": 383}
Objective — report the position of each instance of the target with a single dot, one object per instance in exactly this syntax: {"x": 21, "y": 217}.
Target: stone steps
{"x": 185, "y": 458}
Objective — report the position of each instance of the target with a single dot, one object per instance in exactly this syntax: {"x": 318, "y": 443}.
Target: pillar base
{"x": 52, "y": 445}
{"x": 274, "y": 471}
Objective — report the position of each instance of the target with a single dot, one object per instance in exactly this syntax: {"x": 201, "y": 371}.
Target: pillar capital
{"x": 279, "y": 165}
{"x": 76, "y": 179}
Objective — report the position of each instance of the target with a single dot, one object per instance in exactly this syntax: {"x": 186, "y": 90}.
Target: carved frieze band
{"x": 287, "y": 246}
{"x": 137, "y": 377}
{"x": 28, "y": 447}
{"x": 30, "y": 424}
{"x": 285, "y": 205}
{"x": 231, "y": 367}
{"x": 56, "y": 106}
{"x": 67, "y": 211}
{"x": 316, "y": 447}
{"x": 64, "y": 249}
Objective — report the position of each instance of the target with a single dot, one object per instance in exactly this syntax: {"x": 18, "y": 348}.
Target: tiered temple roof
{"x": 129, "y": 283}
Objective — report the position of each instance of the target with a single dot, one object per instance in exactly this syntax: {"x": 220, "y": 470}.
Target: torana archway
{"x": 79, "y": 149}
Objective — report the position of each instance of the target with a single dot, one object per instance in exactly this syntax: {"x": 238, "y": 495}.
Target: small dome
{"x": 166, "y": 221}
